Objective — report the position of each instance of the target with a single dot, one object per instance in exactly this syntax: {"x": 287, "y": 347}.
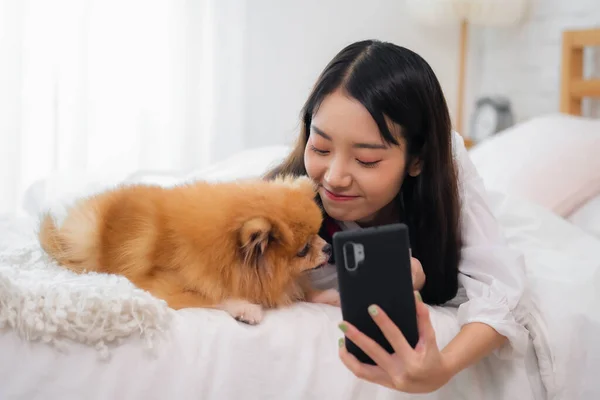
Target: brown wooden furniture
{"x": 573, "y": 87}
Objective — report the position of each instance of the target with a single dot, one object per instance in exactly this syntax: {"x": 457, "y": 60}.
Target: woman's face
{"x": 359, "y": 174}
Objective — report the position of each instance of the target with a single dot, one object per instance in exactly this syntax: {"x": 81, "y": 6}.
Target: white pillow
{"x": 251, "y": 163}
{"x": 59, "y": 190}
{"x": 587, "y": 217}
{"x": 552, "y": 160}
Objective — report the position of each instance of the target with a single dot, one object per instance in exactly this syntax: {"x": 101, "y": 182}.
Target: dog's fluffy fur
{"x": 237, "y": 246}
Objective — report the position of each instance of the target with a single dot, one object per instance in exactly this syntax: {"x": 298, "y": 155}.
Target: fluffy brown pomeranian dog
{"x": 236, "y": 246}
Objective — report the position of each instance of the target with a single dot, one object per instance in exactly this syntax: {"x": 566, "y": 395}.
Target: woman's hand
{"x": 419, "y": 370}
{"x": 329, "y": 296}
{"x": 418, "y": 276}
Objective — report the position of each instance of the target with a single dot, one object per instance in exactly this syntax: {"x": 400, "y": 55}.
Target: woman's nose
{"x": 337, "y": 177}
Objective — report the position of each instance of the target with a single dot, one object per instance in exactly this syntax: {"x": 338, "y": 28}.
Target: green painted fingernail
{"x": 341, "y": 342}
{"x": 373, "y": 310}
{"x": 419, "y": 297}
{"x": 343, "y": 327}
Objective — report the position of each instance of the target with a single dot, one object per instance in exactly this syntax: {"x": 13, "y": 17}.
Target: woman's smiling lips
{"x": 336, "y": 196}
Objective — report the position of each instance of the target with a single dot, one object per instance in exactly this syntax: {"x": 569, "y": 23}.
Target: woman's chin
{"x": 340, "y": 214}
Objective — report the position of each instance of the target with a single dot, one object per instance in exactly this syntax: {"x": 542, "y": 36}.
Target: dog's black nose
{"x": 327, "y": 249}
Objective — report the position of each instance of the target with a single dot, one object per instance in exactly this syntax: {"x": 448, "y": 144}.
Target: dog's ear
{"x": 254, "y": 236}
{"x": 302, "y": 183}
{"x": 307, "y": 186}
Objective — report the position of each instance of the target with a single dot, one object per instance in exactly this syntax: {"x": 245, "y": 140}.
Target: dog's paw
{"x": 244, "y": 311}
{"x": 251, "y": 314}
{"x": 329, "y": 296}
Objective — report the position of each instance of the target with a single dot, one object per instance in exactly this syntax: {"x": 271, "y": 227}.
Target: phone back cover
{"x": 383, "y": 278}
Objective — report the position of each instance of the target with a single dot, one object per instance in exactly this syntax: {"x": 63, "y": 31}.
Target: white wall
{"x": 282, "y": 46}
{"x": 288, "y": 43}
{"x": 523, "y": 62}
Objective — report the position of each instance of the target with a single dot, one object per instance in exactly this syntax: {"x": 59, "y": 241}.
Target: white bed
{"x": 205, "y": 354}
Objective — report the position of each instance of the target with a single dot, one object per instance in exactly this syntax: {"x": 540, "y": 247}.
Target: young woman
{"x": 376, "y": 136}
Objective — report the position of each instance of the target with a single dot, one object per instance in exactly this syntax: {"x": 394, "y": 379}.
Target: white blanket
{"x": 42, "y": 301}
{"x": 293, "y": 354}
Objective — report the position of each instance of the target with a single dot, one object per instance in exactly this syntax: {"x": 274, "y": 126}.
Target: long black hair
{"x": 396, "y": 83}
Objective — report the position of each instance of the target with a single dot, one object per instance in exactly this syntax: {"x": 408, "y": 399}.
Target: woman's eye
{"x": 304, "y": 251}
{"x": 368, "y": 164}
{"x": 319, "y": 151}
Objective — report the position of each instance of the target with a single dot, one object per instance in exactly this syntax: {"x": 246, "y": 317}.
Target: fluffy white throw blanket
{"x": 42, "y": 301}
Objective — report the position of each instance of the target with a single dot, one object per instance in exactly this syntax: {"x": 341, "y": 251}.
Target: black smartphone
{"x": 373, "y": 267}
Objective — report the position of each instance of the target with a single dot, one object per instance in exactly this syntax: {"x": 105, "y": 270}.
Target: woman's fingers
{"x": 369, "y": 346}
{"x": 367, "y": 372}
{"x": 426, "y": 331}
{"x": 391, "y": 331}
{"x": 418, "y": 275}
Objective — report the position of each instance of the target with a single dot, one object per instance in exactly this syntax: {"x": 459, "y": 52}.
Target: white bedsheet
{"x": 293, "y": 354}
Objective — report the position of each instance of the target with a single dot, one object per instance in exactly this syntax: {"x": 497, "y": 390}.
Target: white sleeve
{"x": 491, "y": 273}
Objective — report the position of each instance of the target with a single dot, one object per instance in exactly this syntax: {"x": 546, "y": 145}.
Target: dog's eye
{"x": 304, "y": 250}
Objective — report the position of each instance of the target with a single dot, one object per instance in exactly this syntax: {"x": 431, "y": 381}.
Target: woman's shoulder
{"x": 458, "y": 144}
{"x": 460, "y": 155}
{"x": 466, "y": 172}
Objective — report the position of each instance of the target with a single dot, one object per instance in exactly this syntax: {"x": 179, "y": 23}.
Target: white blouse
{"x": 491, "y": 274}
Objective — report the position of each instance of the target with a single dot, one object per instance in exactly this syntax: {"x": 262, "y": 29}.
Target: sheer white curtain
{"x": 104, "y": 86}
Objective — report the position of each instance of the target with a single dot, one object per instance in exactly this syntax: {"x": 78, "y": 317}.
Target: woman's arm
{"x": 491, "y": 272}
{"x": 474, "y": 342}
